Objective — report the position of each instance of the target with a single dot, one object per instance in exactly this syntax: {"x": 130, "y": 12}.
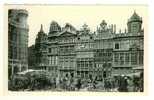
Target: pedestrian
{"x": 141, "y": 82}
{"x": 57, "y": 82}
{"x": 136, "y": 83}
{"x": 123, "y": 84}
{"x": 78, "y": 85}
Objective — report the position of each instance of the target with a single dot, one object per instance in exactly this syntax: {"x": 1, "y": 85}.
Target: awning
{"x": 128, "y": 74}
{"x": 27, "y": 71}
{"x": 138, "y": 68}
{"x": 134, "y": 74}
{"x": 24, "y": 72}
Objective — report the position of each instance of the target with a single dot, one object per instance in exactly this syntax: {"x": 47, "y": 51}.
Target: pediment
{"x": 66, "y": 34}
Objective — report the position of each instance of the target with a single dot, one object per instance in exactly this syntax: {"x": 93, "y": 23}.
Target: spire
{"x": 41, "y": 30}
{"x": 135, "y": 14}
{"x": 135, "y": 17}
{"x": 134, "y": 11}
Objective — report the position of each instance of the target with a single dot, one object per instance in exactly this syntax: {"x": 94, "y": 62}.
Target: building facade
{"x": 84, "y": 53}
{"x": 17, "y": 41}
{"x": 61, "y": 49}
{"x": 100, "y": 54}
{"x": 128, "y": 50}
{"x": 104, "y": 50}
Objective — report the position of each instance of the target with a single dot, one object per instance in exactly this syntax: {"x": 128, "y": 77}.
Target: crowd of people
{"x": 115, "y": 84}
{"x": 70, "y": 83}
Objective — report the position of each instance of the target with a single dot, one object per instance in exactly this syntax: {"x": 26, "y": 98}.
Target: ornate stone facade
{"x": 85, "y": 53}
{"x": 128, "y": 50}
{"x": 101, "y": 54}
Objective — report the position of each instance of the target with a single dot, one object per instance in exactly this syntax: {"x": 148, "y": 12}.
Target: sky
{"x": 77, "y": 15}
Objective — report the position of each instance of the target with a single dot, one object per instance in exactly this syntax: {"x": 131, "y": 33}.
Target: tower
{"x": 134, "y": 24}
{"x": 17, "y": 40}
{"x": 41, "y": 49}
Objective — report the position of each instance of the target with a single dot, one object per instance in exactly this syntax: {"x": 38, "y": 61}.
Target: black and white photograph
{"x": 76, "y": 48}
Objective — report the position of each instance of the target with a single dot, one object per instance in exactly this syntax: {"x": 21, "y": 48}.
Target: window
{"x": 116, "y": 58}
{"x": 133, "y": 58}
{"x": 117, "y": 46}
{"x": 134, "y": 27}
{"x": 49, "y": 50}
{"x": 50, "y": 60}
{"x": 109, "y": 54}
{"x": 86, "y": 65}
{"x": 100, "y": 54}
{"x": 78, "y": 73}
{"x": 121, "y": 58}
{"x": 62, "y": 50}
{"x": 78, "y": 64}
{"x": 141, "y": 58}
{"x": 15, "y": 53}
{"x": 127, "y": 58}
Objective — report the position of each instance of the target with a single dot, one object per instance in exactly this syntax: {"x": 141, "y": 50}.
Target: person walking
{"x": 123, "y": 84}
{"x": 78, "y": 85}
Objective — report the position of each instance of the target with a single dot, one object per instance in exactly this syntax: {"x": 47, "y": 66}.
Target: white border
{"x": 79, "y": 1}
{"x": 150, "y": 43}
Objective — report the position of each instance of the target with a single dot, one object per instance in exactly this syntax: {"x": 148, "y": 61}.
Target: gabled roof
{"x": 66, "y": 31}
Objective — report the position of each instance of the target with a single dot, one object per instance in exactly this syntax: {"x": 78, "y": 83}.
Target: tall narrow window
{"x": 117, "y": 46}
{"x": 50, "y": 60}
{"x": 121, "y": 58}
{"x": 116, "y": 58}
{"x": 127, "y": 58}
{"x": 141, "y": 58}
{"x": 134, "y": 28}
{"x": 49, "y": 50}
{"x": 133, "y": 58}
